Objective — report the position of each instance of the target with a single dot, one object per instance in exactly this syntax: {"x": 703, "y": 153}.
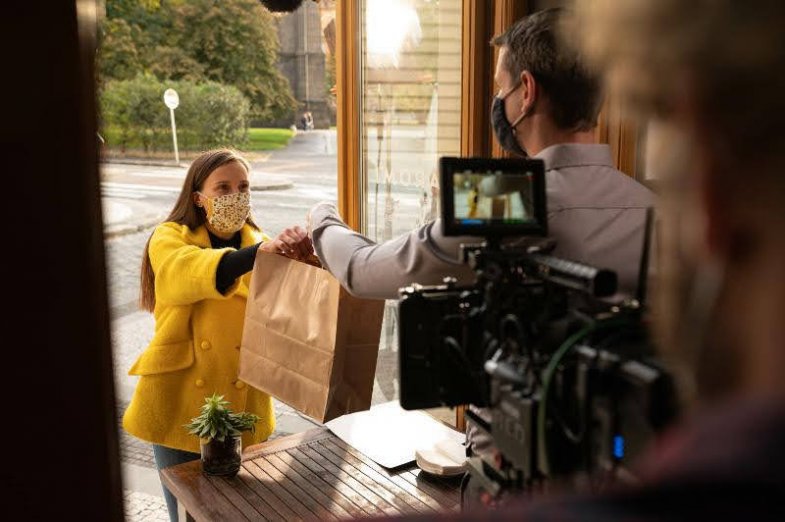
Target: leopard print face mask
{"x": 227, "y": 214}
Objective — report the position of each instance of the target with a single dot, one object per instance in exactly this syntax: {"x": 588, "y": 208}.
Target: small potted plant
{"x": 219, "y": 431}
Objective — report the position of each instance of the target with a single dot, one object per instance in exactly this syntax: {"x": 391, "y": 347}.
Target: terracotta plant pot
{"x": 221, "y": 458}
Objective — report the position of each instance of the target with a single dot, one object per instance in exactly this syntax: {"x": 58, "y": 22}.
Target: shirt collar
{"x": 575, "y": 155}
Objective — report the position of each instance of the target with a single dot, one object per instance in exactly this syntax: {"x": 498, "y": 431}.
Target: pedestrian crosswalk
{"x": 134, "y": 191}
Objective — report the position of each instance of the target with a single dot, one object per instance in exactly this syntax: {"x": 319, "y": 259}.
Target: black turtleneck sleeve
{"x": 233, "y": 264}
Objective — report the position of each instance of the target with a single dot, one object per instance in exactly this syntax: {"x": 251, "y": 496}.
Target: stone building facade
{"x": 303, "y": 59}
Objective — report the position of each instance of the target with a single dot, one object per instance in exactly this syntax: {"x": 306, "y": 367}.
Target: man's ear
{"x": 529, "y": 91}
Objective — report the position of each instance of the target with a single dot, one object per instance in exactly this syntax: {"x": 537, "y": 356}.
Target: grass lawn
{"x": 267, "y": 139}
{"x": 258, "y": 140}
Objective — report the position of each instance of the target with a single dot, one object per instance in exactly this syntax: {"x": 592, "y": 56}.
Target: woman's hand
{"x": 292, "y": 242}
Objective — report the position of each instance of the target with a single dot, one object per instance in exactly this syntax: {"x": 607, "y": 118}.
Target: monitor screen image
{"x": 493, "y": 195}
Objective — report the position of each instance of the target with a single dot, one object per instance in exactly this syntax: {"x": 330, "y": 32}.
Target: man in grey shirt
{"x": 547, "y": 106}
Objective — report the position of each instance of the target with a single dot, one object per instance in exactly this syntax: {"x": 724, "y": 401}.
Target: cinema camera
{"x": 565, "y": 368}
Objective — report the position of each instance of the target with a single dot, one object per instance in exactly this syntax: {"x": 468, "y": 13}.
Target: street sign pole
{"x": 172, "y": 100}
{"x": 174, "y": 138}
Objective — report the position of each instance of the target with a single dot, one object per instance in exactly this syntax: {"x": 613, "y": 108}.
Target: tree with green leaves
{"x": 233, "y": 42}
{"x": 119, "y": 57}
{"x": 210, "y": 114}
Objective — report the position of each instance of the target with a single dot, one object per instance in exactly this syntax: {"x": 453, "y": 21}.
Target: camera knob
{"x": 450, "y": 281}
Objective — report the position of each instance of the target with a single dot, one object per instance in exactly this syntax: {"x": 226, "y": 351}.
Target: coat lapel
{"x": 248, "y": 236}
{"x": 198, "y": 236}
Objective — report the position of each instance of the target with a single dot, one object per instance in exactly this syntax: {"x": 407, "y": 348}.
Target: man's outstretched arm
{"x": 372, "y": 270}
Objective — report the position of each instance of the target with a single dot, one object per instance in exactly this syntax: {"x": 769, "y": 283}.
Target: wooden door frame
{"x": 476, "y": 60}
{"x": 349, "y": 109}
{"x": 66, "y": 460}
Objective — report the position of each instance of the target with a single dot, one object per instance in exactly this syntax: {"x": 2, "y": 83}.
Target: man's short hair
{"x": 534, "y": 44}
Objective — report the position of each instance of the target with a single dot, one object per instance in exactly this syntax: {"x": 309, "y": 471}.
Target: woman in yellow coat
{"x": 195, "y": 276}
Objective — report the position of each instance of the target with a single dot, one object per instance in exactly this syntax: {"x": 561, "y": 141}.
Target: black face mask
{"x": 504, "y": 131}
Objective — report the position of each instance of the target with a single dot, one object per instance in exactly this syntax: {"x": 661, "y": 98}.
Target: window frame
{"x": 348, "y": 88}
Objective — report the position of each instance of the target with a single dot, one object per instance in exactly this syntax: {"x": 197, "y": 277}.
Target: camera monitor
{"x": 493, "y": 197}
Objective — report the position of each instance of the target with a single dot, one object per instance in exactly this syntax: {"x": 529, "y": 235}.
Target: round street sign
{"x": 171, "y": 99}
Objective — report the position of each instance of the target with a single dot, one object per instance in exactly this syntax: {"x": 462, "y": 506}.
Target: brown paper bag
{"x": 307, "y": 341}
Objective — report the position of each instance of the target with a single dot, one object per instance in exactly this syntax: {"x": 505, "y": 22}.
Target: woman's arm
{"x": 233, "y": 265}
{"x": 184, "y": 273}
{"x": 292, "y": 242}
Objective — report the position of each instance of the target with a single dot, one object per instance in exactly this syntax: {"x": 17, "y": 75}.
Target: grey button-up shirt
{"x": 596, "y": 214}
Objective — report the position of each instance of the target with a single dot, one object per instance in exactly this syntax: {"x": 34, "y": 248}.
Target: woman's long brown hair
{"x": 185, "y": 212}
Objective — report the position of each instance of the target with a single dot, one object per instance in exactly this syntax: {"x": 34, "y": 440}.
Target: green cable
{"x": 550, "y": 370}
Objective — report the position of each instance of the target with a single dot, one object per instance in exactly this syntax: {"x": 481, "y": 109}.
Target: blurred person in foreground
{"x": 708, "y": 76}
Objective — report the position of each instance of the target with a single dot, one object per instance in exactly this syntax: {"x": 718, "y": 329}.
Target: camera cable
{"x": 548, "y": 374}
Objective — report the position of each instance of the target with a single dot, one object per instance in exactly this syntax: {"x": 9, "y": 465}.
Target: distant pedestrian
{"x": 195, "y": 278}
{"x": 306, "y": 121}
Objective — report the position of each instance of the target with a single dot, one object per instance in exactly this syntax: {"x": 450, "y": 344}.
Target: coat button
{"x": 206, "y": 345}
{"x": 199, "y": 383}
{"x": 239, "y": 385}
{"x": 237, "y": 347}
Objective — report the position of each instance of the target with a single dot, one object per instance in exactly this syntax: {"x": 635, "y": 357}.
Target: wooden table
{"x": 310, "y": 475}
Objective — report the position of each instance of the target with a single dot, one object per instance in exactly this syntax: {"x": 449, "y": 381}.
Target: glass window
{"x": 411, "y": 109}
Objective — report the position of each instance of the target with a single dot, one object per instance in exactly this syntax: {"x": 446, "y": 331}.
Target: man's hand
{"x": 292, "y": 242}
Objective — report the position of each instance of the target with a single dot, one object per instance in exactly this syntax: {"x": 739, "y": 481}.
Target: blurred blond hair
{"x": 711, "y": 75}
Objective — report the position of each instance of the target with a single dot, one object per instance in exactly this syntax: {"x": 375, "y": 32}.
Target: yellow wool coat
{"x": 196, "y": 346}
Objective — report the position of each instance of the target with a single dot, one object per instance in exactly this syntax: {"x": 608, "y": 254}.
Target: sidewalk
{"x": 143, "y": 161}
{"x": 128, "y": 217}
